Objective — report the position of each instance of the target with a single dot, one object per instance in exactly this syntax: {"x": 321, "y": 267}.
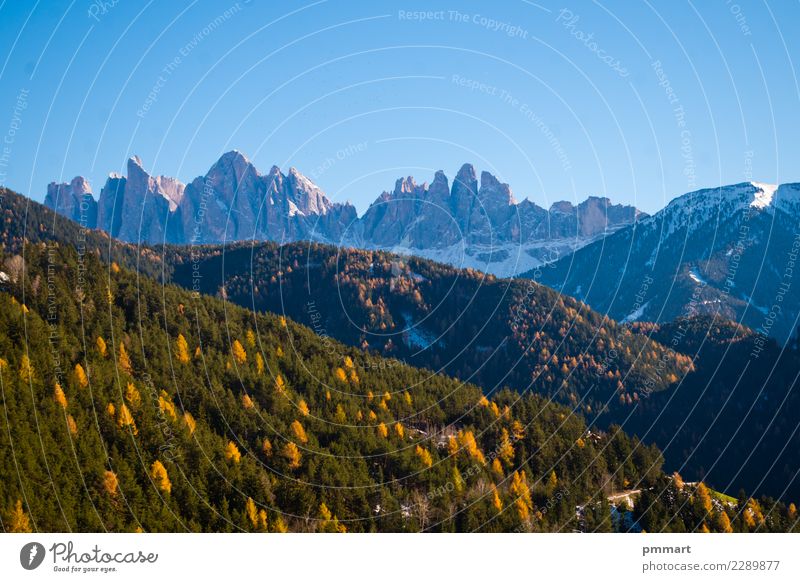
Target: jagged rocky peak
{"x": 73, "y": 200}
{"x": 306, "y": 195}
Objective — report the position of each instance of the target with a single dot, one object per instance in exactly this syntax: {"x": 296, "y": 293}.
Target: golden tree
{"x": 102, "y": 348}
{"x": 189, "y": 421}
{"x": 132, "y": 395}
{"x": 399, "y": 430}
{"x": 110, "y": 482}
{"x": 303, "y": 407}
{"x": 232, "y": 452}
{"x": 247, "y": 402}
{"x": 497, "y": 503}
{"x": 125, "y": 419}
{"x": 330, "y": 524}
{"x": 59, "y": 396}
{"x": 250, "y": 338}
{"x": 424, "y": 456}
{"x": 182, "y": 349}
{"x": 266, "y": 448}
{"x": 340, "y": 374}
{"x": 259, "y": 363}
{"x": 522, "y": 493}
{"x": 18, "y": 520}
{"x": 124, "y": 359}
{"x": 158, "y": 472}
{"x": 251, "y": 512}
{"x": 165, "y": 405}
{"x": 383, "y": 430}
{"x": 299, "y": 432}
{"x": 80, "y": 376}
{"x": 704, "y": 497}
{"x": 238, "y": 352}
{"x": 292, "y": 454}
{"x": 72, "y": 426}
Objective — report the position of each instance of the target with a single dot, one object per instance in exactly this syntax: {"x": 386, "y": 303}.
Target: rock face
{"x": 481, "y": 225}
{"x": 727, "y": 252}
{"x": 471, "y": 222}
{"x": 73, "y": 200}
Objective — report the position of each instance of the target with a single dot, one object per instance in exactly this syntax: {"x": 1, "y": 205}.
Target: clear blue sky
{"x": 355, "y": 94}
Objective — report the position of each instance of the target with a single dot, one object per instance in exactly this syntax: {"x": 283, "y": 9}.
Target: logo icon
{"x": 31, "y": 555}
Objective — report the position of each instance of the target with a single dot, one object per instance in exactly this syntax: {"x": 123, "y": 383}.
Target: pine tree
{"x": 25, "y": 369}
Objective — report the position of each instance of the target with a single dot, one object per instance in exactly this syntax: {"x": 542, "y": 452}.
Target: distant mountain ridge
{"x": 472, "y": 223}
{"x": 730, "y": 251}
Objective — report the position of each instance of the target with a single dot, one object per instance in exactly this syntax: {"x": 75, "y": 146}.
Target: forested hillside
{"x": 465, "y": 323}
{"x": 129, "y": 405}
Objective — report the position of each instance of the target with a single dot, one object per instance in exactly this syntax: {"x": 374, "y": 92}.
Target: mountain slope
{"x": 729, "y": 251}
{"x": 464, "y": 323}
{"x": 161, "y": 410}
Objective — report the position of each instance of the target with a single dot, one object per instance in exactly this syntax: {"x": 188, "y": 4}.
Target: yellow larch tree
{"x": 522, "y": 494}
{"x": 80, "y": 376}
{"x": 266, "y": 448}
{"x": 280, "y": 385}
{"x": 250, "y": 338}
{"x": 165, "y": 406}
{"x": 330, "y": 523}
{"x": 497, "y": 503}
{"x": 340, "y": 374}
{"x": 497, "y": 467}
{"x": 340, "y": 416}
{"x": 110, "y": 482}
{"x": 259, "y": 363}
{"x": 232, "y": 453}
{"x": 383, "y": 430}
{"x": 182, "y": 350}
{"x": 303, "y": 407}
{"x": 102, "y": 348}
{"x": 278, "y": 525}
{"x": 189, "y": 421}
{"x": 18, "y": 520}
{"x": 424, "y": 456}
{"x": 125, "y": 419}
{"x": 292, "y": 454}
{"x": 247, "y": 402}
{"x": 60, "y": 397}
{"x": 132, "y": 395}
{"x": 299, "y": 432}
{"x": 399, "y": 430}
{"x": 124, "y": 359}
{"x": 238, "y": 352}
{"x": 72, "y": 426}
{"x": 704, "y": 497}
{"x": 158, "y": 472}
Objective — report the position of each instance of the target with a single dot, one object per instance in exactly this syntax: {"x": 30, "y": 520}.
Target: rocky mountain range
{"x": 729, "y": 252}
{"x": 471, "y": 223}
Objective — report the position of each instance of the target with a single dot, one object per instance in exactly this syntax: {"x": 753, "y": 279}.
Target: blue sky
{"x": 637, "y": 101}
